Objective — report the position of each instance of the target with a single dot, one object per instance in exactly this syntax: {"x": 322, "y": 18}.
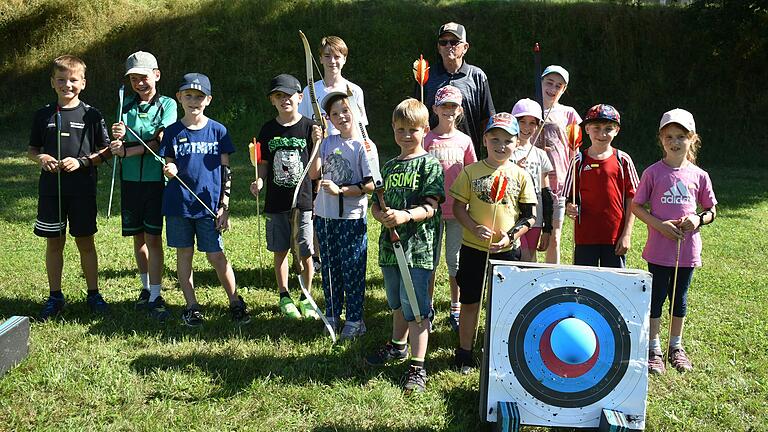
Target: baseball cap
{"x": 285, "y": 83}
{"x": 455, "y": 29}
{"x": 330, "y": 96}
{"x": 527, "y": 107}
{"x": 558, "y": 70}
{"x": 601, "y": 112}
{"x": 140, "y": 62}
{"x": 505, "y": 121}
{"x": 679, "y": 116}
{"x": 447, "y": 94}
{"x": 196, "y": 81}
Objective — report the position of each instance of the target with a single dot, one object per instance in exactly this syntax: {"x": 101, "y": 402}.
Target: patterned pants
{"x": 344, "y": 253}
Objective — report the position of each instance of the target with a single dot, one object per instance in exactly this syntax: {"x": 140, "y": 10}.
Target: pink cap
{"x": 447, "y": 94}
{"x": 527, "y": 107}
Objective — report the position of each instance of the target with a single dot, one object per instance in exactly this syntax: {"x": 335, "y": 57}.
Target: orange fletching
{"x": 573, "y": 132}
{"x": 421, "y": 70}
{"x": 254, "y": 151}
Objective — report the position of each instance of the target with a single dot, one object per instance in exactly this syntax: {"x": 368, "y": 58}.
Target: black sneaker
{"x": 463, "y": 360}
{"x": 192, "y": 317}
{"x": 143, "y": 301}
{"x": 52, "y": 307}
{"x": 414, "y": 380}
{"x": 239, "y": 312}
{"x": 158, "y": 310}
{"x": 97, "y": 304}
{"x": 386, "y": 354}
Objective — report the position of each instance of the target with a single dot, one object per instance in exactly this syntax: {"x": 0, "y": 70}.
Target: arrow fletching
{"x": 573, "y": 134}
{"x": 254, "y": 151}
{"x": 421, "y": 70}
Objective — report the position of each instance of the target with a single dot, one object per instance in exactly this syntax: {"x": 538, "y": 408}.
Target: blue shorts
{"x": 181, "y": 233}
{"x": 396, "y": 296}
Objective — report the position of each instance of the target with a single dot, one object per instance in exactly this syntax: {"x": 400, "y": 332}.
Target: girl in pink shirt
{"x": 673, "y": 189}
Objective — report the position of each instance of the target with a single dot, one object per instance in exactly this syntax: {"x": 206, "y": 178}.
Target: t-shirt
{"x": 537, "y": 163}
{"x": 321, "y": 91}
{"x": 197, "y": 155}
{"x": 83, "y": 132}
{"x": 478, "y": 184}
{"x": 286, "y": 150}
{"x": 672, "y": 194}
{"x": 145, "y": 119}
{"x": 345, "y": 163}
{"x": 556, "y": 143}
{"x": 454, "y": 153}
{"x": 602, "y": 186}
{"x": 406, "y": 184}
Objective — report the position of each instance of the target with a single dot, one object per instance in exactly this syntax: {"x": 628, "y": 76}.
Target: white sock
{"x": 154, "y": 292}
{"x": 676, "y": 342}
{"x": 455, "y": 308}
{"x": 655, "y": 345}
{"x": 144, "y": 280}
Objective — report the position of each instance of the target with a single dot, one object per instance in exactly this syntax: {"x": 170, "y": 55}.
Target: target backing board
{"x": 566, "y": 381}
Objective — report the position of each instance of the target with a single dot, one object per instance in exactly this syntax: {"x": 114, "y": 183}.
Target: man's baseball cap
{"x": 558, "y": 70}
{"x": 285, "y": 83}
{"x": 196, "y": 81}
{"x": 448, "y": 94}
{"x": 679, "y": 116}
{"x": 527, "y": 107}
{"x": 140, "y": 62}
{"x": 505, "y": 121}
{"x": 455, "y": 29}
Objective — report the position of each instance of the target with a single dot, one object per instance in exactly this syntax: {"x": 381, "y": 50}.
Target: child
{"x": 535, "y": 161}
{"x": 287, "y": 143}
{"x": 333, "y": 57}
{"x": 414, "y": 190}
{"x": 605, "y": 182}
{"x": 554, "y": 81}
{"x": 196, "y": 150}
{"x": 146, "y": 113}
{"x": 68, "y": 140}
{"x": 495, "y": 203}
{"x": 454, "y": 150}
{"x": 340, "y": 216}
{"x": 673, "y": 188}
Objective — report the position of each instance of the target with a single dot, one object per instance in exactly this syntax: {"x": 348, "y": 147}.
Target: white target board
{"x": 566, "y": 342}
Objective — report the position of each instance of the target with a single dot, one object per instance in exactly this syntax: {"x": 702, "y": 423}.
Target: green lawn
{"x": 126, "y": 372}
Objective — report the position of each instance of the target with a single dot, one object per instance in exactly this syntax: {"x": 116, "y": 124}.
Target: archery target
{"x": 566, "y": 342}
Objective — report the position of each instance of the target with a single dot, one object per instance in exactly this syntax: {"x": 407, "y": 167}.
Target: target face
{"x": 565, "y": 342}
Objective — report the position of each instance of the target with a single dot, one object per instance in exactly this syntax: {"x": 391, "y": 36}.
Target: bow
{"x": 296, "y": 213}
{"x": 574, "y": 138}
{"x": 254, "y": 152}
{"x": 421, "y": 73}
{"x": 120, "y": 94}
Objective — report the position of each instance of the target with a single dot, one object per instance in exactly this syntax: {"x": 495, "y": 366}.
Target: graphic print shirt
{"x": 345, "y": 163}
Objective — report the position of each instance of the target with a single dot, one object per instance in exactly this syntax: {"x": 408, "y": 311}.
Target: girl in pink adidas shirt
{"x": 673, "y": 189}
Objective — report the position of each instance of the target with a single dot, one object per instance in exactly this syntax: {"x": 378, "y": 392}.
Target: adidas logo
{"x": 677, "y": 194}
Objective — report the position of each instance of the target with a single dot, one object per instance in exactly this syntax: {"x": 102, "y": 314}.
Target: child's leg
{"x": 453, "y": 236}
{"x": 553, "y": 251}
{"x": 470, "y": 313}
{"x": 154, "y": 244}
{"x": 330, "y": 274}
{"x": 281, "y": 270}
{"x": 684, "y": 278}
{"x": 528, "y": 243}
{"x": 141, "y": 253}
{"x": 184, "y": 273}
{"x": 54, "y": 261}
{"x": 354, "y": 272}
{"x": 225, "y": 274}
{"x": 305, "y": 237}
{"x": 89, "y": 261}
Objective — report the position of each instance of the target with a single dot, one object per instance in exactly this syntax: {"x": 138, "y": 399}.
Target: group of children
{"x": 507, "y": 206}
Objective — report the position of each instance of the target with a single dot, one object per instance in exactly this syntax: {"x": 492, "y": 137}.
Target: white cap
{"x": 527, "y": 107}
{"x": 679, "y": 116}
{"x": 140, "y": 62}
{"x": 558, "y": 70}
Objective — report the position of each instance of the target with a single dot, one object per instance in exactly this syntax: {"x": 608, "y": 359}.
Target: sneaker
{"x": 157, "y": 309}
{"x": 192, "y": 317}
{"x": 463, "y": 360}
{"x": 353, "y": 329}
{"x": 453, "y": 320}
{"x": 239, "y": 312}
{"x": 414, "y": 380}
{"x": 386, "y": 354}
{"x": 334, "y": 322}
{"x": 307, "y": 311}
{"x": 288, "y": 307}
{"x": 143, "y": 300}
{"x": 97, "y": 304}
{"x": 679, "y": 360}
{"x": 656, "y": 363}
{"x": 52, "y": 307}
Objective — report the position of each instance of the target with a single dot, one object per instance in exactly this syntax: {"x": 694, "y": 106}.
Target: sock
{"x": 655, "y": 345}
{"x": 417, "y": 362}
{"x": 57, "y": 294}
{"x": 285, "y": 294}
{"x": 399, "y": 345}
{"x": 93, "y": 292}
{"x": 676, "y": 342}
{"x": 455, "y": 308}
{"x": 154, "y": 292}
{"x": 144, "y": 280}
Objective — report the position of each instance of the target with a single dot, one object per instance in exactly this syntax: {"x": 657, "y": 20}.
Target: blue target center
{"x": 573, "y": 341}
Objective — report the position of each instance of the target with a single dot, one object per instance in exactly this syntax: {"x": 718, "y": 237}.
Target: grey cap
{"x": 140, "y": 62}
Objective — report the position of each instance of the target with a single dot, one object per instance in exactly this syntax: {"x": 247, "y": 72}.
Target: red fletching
{"x": 421, "y": 70}
{"x": 254, "y": 151}
{"x": 498, "y": 190}
{"x": 573, "y": 132}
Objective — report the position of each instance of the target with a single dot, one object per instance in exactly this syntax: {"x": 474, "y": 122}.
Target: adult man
{"x": 478, "y": 107}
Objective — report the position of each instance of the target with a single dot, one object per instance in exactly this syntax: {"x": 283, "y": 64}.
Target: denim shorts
{"x": 396, "y": 296}
{"x": 278, "y": 228}
{"x": 181, "y": 233}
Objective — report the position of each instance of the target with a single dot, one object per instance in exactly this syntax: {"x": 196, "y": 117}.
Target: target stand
{"x": 14, "y": 342}
{"x": 565, "y": 346}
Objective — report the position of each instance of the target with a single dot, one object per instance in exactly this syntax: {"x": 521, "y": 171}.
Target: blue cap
{"x": 196, "y": 81}
{"x": 558, "y": 70}
{"x": 505, "y": 121}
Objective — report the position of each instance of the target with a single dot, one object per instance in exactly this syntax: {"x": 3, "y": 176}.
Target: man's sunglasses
{"x": 446, "y": 42}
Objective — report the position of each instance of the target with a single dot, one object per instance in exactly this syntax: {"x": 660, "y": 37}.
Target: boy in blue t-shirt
{"x": 196, "y": 199}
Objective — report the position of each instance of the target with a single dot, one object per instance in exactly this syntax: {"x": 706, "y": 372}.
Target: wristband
{"x": 704, "y": 213}
{"x": 410, "y": 215}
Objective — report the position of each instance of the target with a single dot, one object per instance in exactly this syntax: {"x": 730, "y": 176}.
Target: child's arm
{"x": 461, "y": 213}
{"x": 46, "y": 161}
{"x": 316, "y": 165}
{"x": 696, "y": 220}
{"x": 667, "y": 228}
{"x": 625, "y": 239}
{"x": 169, "y": 169}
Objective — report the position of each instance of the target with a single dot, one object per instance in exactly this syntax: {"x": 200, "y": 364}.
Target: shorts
{"x": 530, "y": 240}
{"x": 278, "y": 228}
{"x": 662, "y": 289}
{"x": 181, "y": 233}
{"x": 471, "y": 276}
{"x": 396, "y": 295}
{"x": 598, "y": 255}
{"x": 141, "y": 204}
{"x": 452, "y": 231}
{"x": 79, "y": 210}
{"x": 558, "y": 210}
